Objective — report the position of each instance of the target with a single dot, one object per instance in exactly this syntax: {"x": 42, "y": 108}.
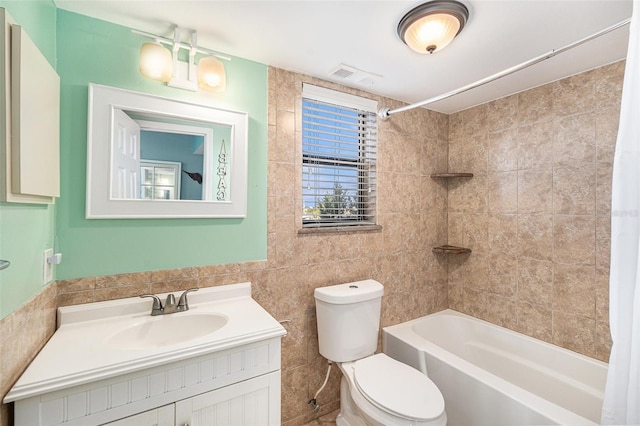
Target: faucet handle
{"x": 157, "y": 304}
{"x": 183, "y": 303}
{"x": 171, "y": 300}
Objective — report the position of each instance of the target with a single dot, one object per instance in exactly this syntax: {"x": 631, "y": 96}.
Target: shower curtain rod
{"x": 385, "y": 113}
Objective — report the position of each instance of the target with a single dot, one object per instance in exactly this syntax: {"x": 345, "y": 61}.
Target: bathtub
{"x": 490, "y": 375}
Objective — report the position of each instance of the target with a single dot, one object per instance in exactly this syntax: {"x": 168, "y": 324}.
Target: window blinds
{"x": 339, "y": 162}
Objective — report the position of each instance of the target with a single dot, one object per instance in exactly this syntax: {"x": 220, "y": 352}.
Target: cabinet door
{"x": 163, "y": 416}
{"x": 29, "y": 119}
{"x": 252, "y": 402}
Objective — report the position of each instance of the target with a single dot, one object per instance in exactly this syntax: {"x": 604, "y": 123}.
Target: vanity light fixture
{"x": 211, "y": 75}
{"x": 431, "y": 26}
{"x": 157, "y": 62}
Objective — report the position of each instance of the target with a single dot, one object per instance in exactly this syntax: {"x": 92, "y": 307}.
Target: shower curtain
{"x": 622, "y": 394}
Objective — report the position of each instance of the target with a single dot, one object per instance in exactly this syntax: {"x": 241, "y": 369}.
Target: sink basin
{"x": 165, "y": 330}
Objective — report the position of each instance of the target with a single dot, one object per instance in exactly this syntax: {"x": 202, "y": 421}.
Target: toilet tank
{"x": 348, "y": 319}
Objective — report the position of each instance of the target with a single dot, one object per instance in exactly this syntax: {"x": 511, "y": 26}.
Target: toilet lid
{"x": 398, "y": 388}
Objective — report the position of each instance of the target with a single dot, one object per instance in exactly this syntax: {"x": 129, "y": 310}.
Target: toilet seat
{"x": 397, "y": 388}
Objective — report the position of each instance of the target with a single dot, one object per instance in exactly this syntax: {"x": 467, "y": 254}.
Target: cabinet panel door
{"x": 163, "y": 416}
{"x": 35, "y": 119}
{"x": 41, "y": 117}
{"x": 252, "y": 402}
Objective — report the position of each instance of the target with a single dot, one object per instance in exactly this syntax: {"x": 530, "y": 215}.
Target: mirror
{"x": 172, "y": 161}
{"x": 153, "y": 157}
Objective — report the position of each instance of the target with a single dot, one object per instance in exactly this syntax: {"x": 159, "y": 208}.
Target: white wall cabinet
{"x": 235, "y": 387}
{"x": 29, "y": 119}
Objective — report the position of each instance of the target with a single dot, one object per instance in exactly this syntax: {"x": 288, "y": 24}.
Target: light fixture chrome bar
{"x": 385, "y": 113}
{"x": 171, "y": 42}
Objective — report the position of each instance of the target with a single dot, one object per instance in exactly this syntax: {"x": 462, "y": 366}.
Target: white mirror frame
{"x": 103, "y": 100}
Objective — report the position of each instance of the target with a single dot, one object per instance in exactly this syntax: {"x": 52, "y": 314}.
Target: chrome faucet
{"x": 170, "y": 305}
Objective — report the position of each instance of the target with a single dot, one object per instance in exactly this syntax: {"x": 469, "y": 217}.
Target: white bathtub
{"x": 490, "y": 375}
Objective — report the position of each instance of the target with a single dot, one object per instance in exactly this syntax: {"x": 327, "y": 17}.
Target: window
{"x": 160, "y": 180}
{"x": 339, "y": 137}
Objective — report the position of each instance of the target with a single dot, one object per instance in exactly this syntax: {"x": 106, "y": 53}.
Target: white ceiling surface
{"x": 315, "y": 36}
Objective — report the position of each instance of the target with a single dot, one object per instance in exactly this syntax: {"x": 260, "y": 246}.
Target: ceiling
{"x": 316, "y": 36}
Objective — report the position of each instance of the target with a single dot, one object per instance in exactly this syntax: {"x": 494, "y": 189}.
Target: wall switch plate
{"x": 47, "y": 268}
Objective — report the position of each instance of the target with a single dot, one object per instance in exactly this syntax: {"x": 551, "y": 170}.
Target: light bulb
{"x": 155, "y": 62}
{"x": 211, "y": 74}
{"x": 432, "y": 33}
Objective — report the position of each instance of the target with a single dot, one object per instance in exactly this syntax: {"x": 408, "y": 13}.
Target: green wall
{"x": 90, "y": 50}
{"x": 84, "y": 50}
{"x": 26, "y": 230}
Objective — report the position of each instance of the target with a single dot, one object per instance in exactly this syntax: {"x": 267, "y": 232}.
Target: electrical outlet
{"x": 47, "y": 268}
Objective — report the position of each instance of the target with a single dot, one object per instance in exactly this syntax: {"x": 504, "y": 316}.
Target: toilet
{"x": 375, "y": 389}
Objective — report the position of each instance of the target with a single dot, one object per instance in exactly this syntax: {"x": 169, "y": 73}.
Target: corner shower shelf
{"x": 4, "y": 264}
{"x": 447, "y": 249}
{"x": 451, "y": 175}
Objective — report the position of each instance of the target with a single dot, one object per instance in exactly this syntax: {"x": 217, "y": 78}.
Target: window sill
{"x": 340, "y": 230}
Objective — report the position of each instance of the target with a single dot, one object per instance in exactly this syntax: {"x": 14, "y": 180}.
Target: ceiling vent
{"x": 342, "y": 73}
{"x": 347, "y": 74}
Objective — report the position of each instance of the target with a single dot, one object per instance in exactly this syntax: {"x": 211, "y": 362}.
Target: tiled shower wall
{"x": 537, "y": 211}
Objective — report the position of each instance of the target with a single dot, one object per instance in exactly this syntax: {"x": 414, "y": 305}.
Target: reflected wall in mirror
{"x": 156, "y": 157}
{"x": 172, "y": 161}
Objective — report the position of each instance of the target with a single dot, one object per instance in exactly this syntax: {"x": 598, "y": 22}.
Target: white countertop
{"x": 79, "y": 353}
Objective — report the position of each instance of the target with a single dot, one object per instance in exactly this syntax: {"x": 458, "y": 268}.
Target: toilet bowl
{"x": 381, "y": 391}
{"x": 375, "y": 389}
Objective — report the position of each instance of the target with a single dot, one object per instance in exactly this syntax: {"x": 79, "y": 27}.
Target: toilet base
{"x": 348, "y": 415}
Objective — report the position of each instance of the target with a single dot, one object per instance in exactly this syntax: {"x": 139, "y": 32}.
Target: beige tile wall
{"x": 411, "y": 210}
{"x": 536, "y": 215}
{"x": 22, "y": 334}
{"x": 537, "y": 211}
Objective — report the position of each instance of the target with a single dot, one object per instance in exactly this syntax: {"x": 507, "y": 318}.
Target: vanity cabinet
{"x": 246, "y": 403}
{"x": 239, "y": 386}
{"x": 252, "y": 402}
{"x": 112, "y": 363}
{"x": 163, "y": 416}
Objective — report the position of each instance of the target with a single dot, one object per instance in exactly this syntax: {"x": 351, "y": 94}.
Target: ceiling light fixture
{"x": 159, "y": 63}
{"x": 431, "y": 26}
